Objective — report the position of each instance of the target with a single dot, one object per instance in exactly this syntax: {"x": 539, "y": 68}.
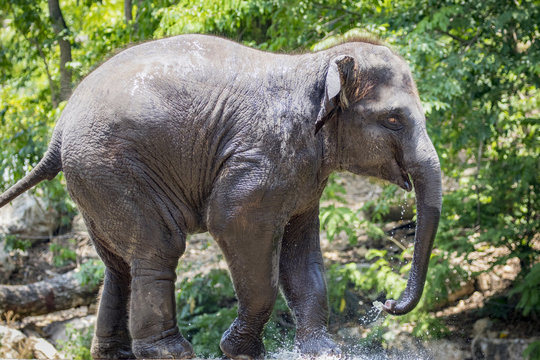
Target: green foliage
{"x": 248, "y": 20}
{"x": 62, "y": 255}
{"x": 77, "y": 345}
{"x": 206, "y": 306}
{"x": 336, "y": 217}
{"x": 340, "y": 278}
{"x": 498, "y": 307}
{"x": 91, "y": 272}
{"x": 204, "y": 331}
{"x": 12, "y": 242}
{"x": 528, "y": 290}
{"x": 339, "y": 219}
{"x": 532, "y": 352}
{"x": 204, "y": 294}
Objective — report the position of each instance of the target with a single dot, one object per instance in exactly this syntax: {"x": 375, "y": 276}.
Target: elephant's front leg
{"x": 303, "y": 283}
{"x": 252, "y": 257}
{"x": 251, "y": 247}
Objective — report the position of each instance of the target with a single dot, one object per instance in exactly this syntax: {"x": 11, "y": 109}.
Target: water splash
{"x": 354, "y": 348}
{"x": 295, "y": 355}
{"x": 373, "y": 314}
{"x": 367, "y": 355}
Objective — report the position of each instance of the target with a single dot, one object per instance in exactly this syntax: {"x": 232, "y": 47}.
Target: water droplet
{"x": 373, "y": 314}
{"x": 378, "y": 305}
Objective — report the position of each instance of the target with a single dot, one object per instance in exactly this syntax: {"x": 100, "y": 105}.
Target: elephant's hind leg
{"x": 140, "y": 230}
{"x": 136, "y": 214}
{"x": 111, "y": 339}
{"x": 152, "y": 308}
{"x": 111, "y": 336}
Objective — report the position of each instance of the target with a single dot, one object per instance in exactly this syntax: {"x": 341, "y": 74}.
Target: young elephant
{"x": 196, "y": 133}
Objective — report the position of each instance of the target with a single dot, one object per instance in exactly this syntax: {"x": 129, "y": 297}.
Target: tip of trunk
{"x": 401, "y": 307}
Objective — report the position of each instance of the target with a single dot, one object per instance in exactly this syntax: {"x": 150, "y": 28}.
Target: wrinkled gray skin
{"x": 196, "y": 133}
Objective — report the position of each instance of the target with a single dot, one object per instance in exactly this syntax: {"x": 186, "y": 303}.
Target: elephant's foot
{"x": 316, "y": 344}
{"x": 169, "y": 345}
{"x": 240, "y": 343}
{"x": 118, "y": 347}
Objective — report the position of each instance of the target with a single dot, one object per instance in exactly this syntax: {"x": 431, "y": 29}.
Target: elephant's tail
{"x": 47, "y": 168}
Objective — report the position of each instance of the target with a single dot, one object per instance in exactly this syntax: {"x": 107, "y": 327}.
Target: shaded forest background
{"x": 477, "y": 67}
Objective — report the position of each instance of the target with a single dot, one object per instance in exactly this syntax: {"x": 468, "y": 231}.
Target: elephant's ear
{"x": 338, "y": 78}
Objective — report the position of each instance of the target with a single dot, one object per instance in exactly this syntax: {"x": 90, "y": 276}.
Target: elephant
{"x": 197, "y": 133}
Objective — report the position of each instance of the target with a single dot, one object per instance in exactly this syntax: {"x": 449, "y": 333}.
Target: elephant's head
{"x": 375, "y": 126}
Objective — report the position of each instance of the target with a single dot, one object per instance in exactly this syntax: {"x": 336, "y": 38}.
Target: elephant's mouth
{"x": 398, "y": 174}
{"x": 401, "y": 177}
{"x": 393, "y": 173}
{"x": 405, "y": 181}
{"x": 402, "y": 180}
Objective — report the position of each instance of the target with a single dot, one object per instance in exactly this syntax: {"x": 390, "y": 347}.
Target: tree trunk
{"x": 127, "y": 11}
{"x": 58, "y": 293}
{"x": 54, "y": 96}
{"x": 61, "y": 30}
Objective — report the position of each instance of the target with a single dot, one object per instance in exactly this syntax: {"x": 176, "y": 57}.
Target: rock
{"x": 499, "y": 349}
{"x": 481, "y": 327}
{"x": 405, "y": 346}
{"x": 15, "y": 345}
{"x": 57, "y": 331}
{"x": 465, "y": 290}
{"x": 447, "y": 350}
{"x": 12, "y": 343}
{"x": 78, "y": 225}
{"x": 28, "y": 216}
{"x": 42, "y": 349}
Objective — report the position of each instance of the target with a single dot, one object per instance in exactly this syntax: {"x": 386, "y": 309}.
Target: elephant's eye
{"x": 393, "y": 123}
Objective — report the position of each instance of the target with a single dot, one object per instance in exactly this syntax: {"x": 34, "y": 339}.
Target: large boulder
{"x": 406, "y": 346}
{"x": 29, "y": 217}
{"x": 78, "y": 225}
{"x": 42, "y": 349}
{"x": 12, "y": 343}
{"x": 484, "y": 348}
{"x": 15, "y": 345}
{"x": 57, "y": 332}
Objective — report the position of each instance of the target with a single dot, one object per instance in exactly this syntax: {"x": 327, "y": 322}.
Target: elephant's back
{"x": 167, "y": 80}
{"x": 149, "y": 112}
{"x": 177, "y": 108}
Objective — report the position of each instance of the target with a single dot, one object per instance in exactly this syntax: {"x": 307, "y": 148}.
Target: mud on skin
{"x": 196, "y": 133}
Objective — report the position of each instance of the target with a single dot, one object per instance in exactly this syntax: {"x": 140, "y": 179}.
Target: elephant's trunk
{"x": 426, "y": 176}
